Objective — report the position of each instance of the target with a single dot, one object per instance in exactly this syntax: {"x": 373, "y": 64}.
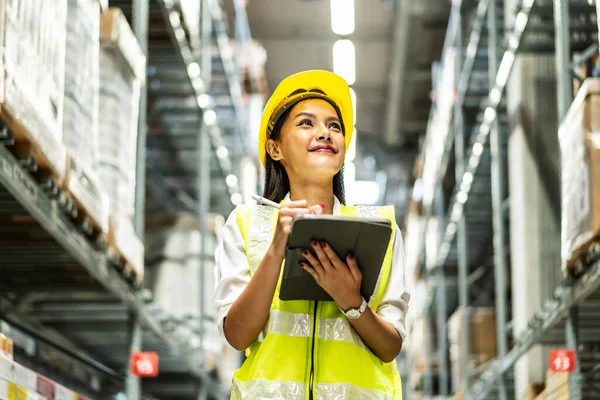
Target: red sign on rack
{"x": 144, "y": 364}
{"x": 562, "y": 360}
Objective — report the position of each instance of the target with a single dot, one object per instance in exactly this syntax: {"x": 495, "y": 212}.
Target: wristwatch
{"x": 355, "y": 313}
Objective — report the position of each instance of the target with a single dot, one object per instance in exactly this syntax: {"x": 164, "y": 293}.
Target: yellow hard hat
{"x": 315, "y": 84}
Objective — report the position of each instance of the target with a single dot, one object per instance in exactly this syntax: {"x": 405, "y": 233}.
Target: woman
{"x": 343, "y": 349}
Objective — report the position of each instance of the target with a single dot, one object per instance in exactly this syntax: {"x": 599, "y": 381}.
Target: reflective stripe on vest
{"x": 279, "y": 362}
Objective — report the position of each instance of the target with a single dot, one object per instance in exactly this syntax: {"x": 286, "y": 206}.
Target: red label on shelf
{"x": 144, "y": 364}
{"x": 562, "y": 360}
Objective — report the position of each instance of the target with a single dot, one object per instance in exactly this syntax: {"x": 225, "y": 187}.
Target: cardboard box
{"x": 45, "y": 387}
{"x": 6, "y": 368}
{"x": 482, "y": 340}
{"x": 116, "y": 33}
{"x": 579, "y": 137}
{"x": 122, "y": 71}
{"x": 542, "y": 396}
{"x": 82, "y": 80}
{"x": 63, "y": 393}
{"x": 24, "y": 377}
{"x": 532, "y": 391}
{"x": 32, "y": 34}
{"x": 3, "y": 389}
{"x": 556, "y": 381}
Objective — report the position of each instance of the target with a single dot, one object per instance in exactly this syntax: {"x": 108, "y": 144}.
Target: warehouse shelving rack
{"x": 478, "y": 204}
{"x": 60, "y": 287}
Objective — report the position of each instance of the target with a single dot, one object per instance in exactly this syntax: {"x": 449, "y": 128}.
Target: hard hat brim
{"x": 302, "y": 86}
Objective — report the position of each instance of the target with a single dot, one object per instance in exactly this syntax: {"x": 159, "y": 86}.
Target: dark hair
{"x": 277, "y": 183}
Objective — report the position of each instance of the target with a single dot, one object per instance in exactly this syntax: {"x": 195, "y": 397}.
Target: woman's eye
{"x": 305, "y": 122}
{"x": 335, "y": 125}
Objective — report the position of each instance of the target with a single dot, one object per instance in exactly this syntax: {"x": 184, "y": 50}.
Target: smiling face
{"x": 311, "y": 144}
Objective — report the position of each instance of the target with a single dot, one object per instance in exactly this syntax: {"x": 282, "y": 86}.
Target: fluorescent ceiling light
{"x": 210, "y": 117}
{"x": 222, "y": 152}
{"x": 231, "y": 180}
{"x": 203, "y": 100}
{"x": 343, "y": 60}
{"x": 236, "y": 198}
{"x": 193, "y": 69}
{"x": 342, "y": 17}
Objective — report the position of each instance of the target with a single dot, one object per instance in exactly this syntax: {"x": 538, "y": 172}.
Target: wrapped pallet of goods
{"x": 178, "y": 279}
{"x": 80, "y": 115}
{"x": 122, "y": 72}
{"x": 32, "y": 34}
{"x": 579, "y": 138}
{"x": 482, "y": 341}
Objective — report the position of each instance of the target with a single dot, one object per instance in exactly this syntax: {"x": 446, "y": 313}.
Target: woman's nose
{"x": 324, "y": 136}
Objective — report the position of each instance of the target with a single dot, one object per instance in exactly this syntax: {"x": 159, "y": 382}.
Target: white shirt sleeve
{"x": 394, "y": 303}
{"x": 233, "y": 272}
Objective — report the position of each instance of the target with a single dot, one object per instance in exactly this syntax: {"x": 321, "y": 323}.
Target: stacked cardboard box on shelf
{"x": 18, "y": 382}
{"x": 532, "y": 391}
{"x": 579, "y": 137}
{"x": 80, "y": 120}
{"x": 32, "y": 34}
{"x": 482, "y": 340}
{"x": 6, "y": 346}
{"x": 122, "y": 71}
{"x": 82, "y": 80}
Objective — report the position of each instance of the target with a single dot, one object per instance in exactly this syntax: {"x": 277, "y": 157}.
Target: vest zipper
{"x": 312, "y": 352}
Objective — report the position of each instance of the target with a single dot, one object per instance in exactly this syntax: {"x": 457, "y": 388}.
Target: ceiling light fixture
{"x": 236, "y": 199}
{"x": 210, "y": 117}
{"x": 231, "y": 180}
{"x": 203, "y": 100}
{"x": 342, "y": 17}
{"x": 344, "y": 60}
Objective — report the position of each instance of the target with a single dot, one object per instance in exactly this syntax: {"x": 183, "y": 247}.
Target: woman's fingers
{"x": 323, "y": 259}
{"x": 353, "y": 266}
{"x": 332, "y": 256}
{"x": 310, "y": 270}
{"x": 314, "y": 262}
{"x": 318, "y": 209}
{"x": 295, "y": 204}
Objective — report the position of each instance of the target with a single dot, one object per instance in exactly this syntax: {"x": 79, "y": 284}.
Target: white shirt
{"x": 233, "y": 274}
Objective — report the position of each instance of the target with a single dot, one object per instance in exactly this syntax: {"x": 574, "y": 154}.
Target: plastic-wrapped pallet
{"x": 80, "y": 116}
{"x": 122, "y": 66}
{"x": 31, "y": 98}
{"x": 80, "y": 112}
{"x": 122, "y": 71}
{"x": 580, "y": 150}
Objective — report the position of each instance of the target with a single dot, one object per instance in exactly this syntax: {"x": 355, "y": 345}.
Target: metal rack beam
{"x": 232, "y": 72}
{"x": 21, "y": 188}
{"x": 542, "y": 321}
{"x": 498, "y": 221}
{"x": 206, "y": 105}
{"x": 479, "y": 137}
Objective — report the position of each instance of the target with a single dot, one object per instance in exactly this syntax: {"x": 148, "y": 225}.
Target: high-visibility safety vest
{"x": 309, "y": 346}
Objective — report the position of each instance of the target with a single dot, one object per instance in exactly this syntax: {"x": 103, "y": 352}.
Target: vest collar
{"x": 336, "y": 203}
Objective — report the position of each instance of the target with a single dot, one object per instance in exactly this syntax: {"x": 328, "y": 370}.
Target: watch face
{"x": 353, "y": 314}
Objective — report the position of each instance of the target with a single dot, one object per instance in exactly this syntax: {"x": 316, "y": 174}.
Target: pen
{"x": 264, "y": 201}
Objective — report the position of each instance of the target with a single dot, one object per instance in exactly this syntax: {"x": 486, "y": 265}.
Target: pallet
{"x": 89, "y": 225}
{"x": 28, "y": 152}
{"x": 87, "y": 202}
{"x": 583, "y": 259}
{"x": 124, "y": 266}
